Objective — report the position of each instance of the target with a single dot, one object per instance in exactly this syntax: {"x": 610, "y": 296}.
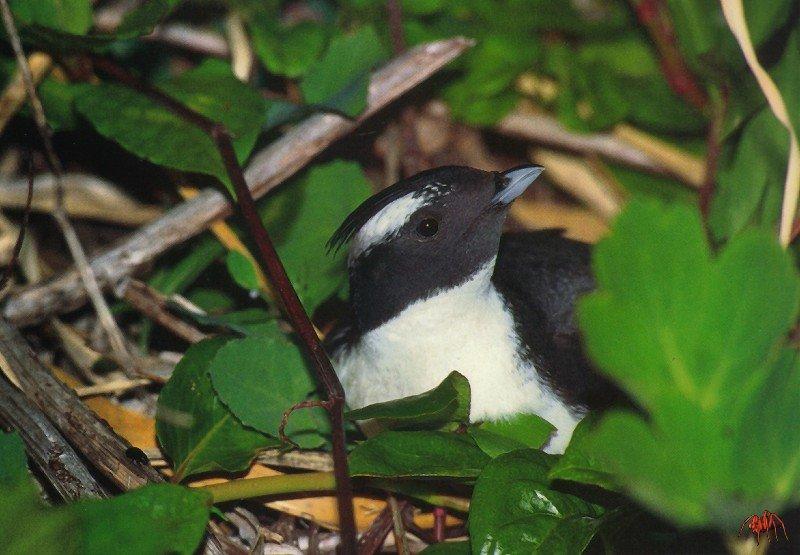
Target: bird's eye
{"x": 427, "y": 228}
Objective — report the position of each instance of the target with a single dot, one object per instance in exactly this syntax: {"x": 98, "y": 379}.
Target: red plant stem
{"x": 271, "y": 265}
{"x": 655, "y": 18}
{"x": 394, "y": 14}
{"x": 713, "y": 151}
{"x": 439, "y": 519}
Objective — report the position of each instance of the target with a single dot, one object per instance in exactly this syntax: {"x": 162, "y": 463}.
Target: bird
{"x": 436, "y": 286}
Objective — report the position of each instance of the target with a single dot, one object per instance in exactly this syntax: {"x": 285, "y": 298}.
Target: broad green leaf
{"x": 485, "y": 92}
{"x": 750, "y": 178}
{"x": 62, "y": 25}
{"x": 418, "y": 455}
{"x": 447, "y": 548}
{"x": 423, "y": 7}
{"x": 448, "y": 402}
{"x": 579, "y": 464}
{"x": 695, "y": 339}
{"x": 151, "y": 132}
{"x": 262, "y": 376}
{"x": 659, "y": 187}
{"x": 160, "y": 518}
{"x": 13, "y": 463}
{"x": 514, "y": 509}
{"x": 288, "y": 51}
{"x": 787, "y": 78}
{"x": 339, "y": 80}
{"x": 302, "y": 216}
{"x": 197, "y": 432}
{"x": 58, "y": 101}
{"x": 71, "y": 16}
{"x": 521, "y": 431}
{"x": 242, "y": 271}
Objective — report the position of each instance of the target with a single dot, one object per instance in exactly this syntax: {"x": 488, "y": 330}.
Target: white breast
{"x": 468, "y": 329}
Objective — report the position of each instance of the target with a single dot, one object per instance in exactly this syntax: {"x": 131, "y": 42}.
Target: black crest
{"x": 378, "y": 201}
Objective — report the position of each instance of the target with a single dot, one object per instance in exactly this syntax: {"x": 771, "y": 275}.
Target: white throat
{"x": 467, "y": 328}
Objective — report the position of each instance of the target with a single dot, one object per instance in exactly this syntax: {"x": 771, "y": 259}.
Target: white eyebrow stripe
{"x": 385, "y": 223}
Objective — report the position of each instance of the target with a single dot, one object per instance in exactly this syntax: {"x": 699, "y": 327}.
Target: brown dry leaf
{"x": 138, "y": 429}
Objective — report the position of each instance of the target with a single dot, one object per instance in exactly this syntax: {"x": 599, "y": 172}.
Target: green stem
{"x": 271, "y": 485}
{"x": 247, "y": 488}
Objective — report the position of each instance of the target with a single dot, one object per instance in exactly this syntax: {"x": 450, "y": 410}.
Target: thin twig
{"x": 397, "y": 524}
{"x": 71, "y": 237}
{"x": 20, "y": 236}
{"x": 272, "y": 266}
{"x": 545, "y": 129}
{"x": 153, "y": 304}
{"x": 85, "y": 196}
{"x": 371, "y": 541}
{"x": 114, "y": 386}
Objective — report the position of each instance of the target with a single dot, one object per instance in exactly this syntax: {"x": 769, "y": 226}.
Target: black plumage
{"x": 542, "y": 275}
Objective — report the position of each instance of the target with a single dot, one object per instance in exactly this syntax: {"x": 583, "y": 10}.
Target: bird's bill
{"x": 516, "y": 181}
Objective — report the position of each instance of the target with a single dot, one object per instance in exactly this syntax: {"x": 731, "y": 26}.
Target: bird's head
{"x": 424, "y": 234}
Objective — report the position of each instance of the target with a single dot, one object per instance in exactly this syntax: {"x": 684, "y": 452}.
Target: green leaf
{"x": 287, "y": 50}
{"x": 521, "y": 431}
{"x": 448, "y": 402}
{"x": 514, "y": 510}
{"x": 447, "y": 548}
{"x": 242, "y": 271}
{"x": 45, "y": 27}
{"x": 302, "y": 216}
{"x": 261, "y": 376}
{"x": 418, "y": 455}
{"x": 787, "y": 79}
{"x": 71, "y": 16}
{"x": 13, "y": 464}
{"x": 152, "y": 132}
{"x": 339, "y": 80}
{"x": 197, "y": 432}
{"x": 579, "y": 463}
{"x": 160, "y": 518}
{"x": 750, "y": 178}
{"x": 143, "y": 19}
{"x": 694, "y": 339}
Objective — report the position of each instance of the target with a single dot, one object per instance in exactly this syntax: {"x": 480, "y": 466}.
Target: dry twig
{"x": 545, "y": 129}
{"x": 85, "y": 196}
{"x": 48, "y": 449}
{"x": 153, "y": 304}
{"x": 71, "y": 237}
